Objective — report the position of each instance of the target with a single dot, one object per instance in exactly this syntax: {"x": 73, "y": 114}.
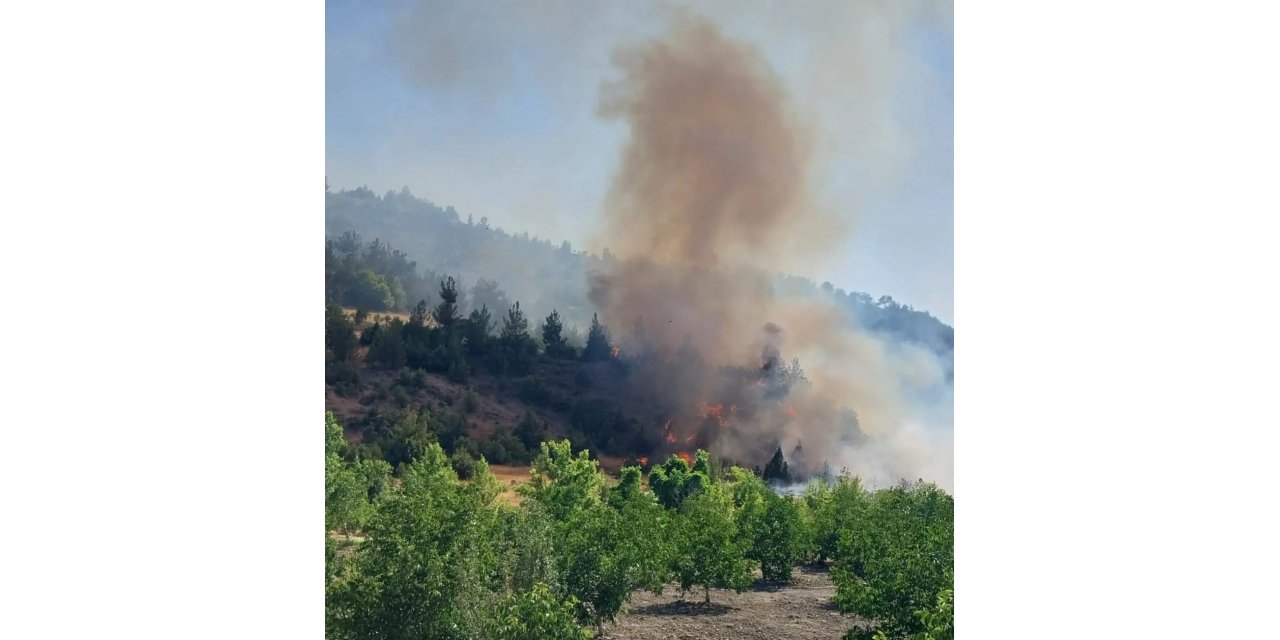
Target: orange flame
{"x": 714, "y": 411}
{"x": 616, "y": 351}
{"x": 684, "y": 455}
{"x": 791, "y": 411}
{"x": 666, "y": 432}
{"x": 644, "y": 461}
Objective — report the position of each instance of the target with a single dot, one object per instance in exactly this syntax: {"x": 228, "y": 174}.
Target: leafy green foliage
{"x": 898, "y": 559}
{"x": 349, "y": 487}
{"x": 604, "y": 558}
{"x": 562, "y": 482}
{"x": 770, "y": 526}
{"x": 424, "y": 569}
{"x": 463, "y": 464}
{"x": 707, "y": 551}
{"x": 674, "y": 482}
{"x": 538, "y": 614}
{"x": 833, "y": 509}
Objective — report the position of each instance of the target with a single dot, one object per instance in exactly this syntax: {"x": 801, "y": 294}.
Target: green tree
{"x": 371, "y": 291}
{"x": 673, "y": 481}
{"x": 538, "y": 614}
{"x": 346, "y": 490}
{"x": 446, "y": 313}
{"x": 628, "y": 487}
{"x": 606, "y": 554}
{"x": 552, "y": 339}
{"x": 530, "y": 431}
{"x": 834, "y": 509}
{"x": 770, "y": 527}
{"x": 339, "y": 333}
{"x": 707, "y": 551}
{"x": 562, "y": 482}
{"x": 478, "y": 326}
{"x": 425, "y": 569}
{"x": 598, "y": 347}
{"x": 516, "y": 348}
{"x": 776, "y": 471}
{"x": 897, "y": 561}
{"x": 387, "y": 348}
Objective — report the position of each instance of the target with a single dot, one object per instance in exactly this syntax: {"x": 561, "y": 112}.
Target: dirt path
{"x": 799, "y": 611}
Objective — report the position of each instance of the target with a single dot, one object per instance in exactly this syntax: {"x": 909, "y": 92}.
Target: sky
{"x": 492, "y": 108}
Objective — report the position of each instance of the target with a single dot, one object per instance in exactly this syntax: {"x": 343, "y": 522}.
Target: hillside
{"x": 545, "y": 274}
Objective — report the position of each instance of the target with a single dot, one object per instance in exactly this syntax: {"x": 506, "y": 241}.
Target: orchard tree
{"x": 537, "y": 614}
{"x": 562, "y": 482}
{"x": 707, "y": 551}
{"x": 426, "y": 566}
{"x": 834, "y": 509}
{"x": 673, "y": 481}
{"x": 607, "y": 553}
{"x": 897, "y": 561}
{"x": 770, "y": 527}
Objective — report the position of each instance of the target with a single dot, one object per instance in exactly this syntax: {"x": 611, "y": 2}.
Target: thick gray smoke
{"x": 711, "y": 195}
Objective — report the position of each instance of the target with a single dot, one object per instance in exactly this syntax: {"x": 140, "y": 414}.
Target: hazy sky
{"x": 492, "y": 108}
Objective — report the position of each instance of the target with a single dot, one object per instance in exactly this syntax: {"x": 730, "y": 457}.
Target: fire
{"x": 644, "y": 461}
{"x": 616, "y": 351}
{"x": 714, "y": 411}
{"x": 666, "y": 432}
{"x": 791, "y": 411}
{"x": 684, "y": 455}
{"x": 688, "y": 439}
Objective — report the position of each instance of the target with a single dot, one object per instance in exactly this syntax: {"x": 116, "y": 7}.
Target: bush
{"x": 470, "y": 402}
{"x": 343, "y": 375}
{"x": 583, "y": 379}
{"x": 463, "y": 464}
{"x": 534, "y": 391}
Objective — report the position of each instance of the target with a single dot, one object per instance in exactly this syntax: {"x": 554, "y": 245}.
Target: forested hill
{"x": 496, "y": 267}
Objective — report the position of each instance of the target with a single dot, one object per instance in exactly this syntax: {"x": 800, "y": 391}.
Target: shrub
{"x": 463, "y": 464}
{"x": 470, "y": 402}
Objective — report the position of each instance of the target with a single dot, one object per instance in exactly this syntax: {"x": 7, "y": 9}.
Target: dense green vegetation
{"x": 427, "y": 555}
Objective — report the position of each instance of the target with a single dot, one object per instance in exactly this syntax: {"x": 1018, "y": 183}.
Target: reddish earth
{"x": 801, "y": 610}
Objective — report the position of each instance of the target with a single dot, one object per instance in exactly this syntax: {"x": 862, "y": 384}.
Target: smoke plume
{"x": 712, "y": 195}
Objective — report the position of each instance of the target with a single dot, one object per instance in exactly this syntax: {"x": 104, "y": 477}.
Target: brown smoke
{"x": 710, "y": 186}
{"x": 711, "y": 195}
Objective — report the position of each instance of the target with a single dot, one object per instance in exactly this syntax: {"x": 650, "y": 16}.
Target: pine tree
{"x": 446, "y": 313}
{"x": 552, "y": 337}
{"x": 598, "y": 347}
{"x": 776, "y": 471}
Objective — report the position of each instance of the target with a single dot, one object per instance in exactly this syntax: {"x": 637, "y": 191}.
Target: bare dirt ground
{"x": 801, "y": 610}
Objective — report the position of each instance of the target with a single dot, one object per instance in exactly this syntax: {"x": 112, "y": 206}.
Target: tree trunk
{"x": 599, "y": 628}
{"x": 707, "y": 590}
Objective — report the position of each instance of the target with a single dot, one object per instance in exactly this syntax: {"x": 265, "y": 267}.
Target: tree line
{"x": 550, "y": 273}
{"x": 430, "y": 555}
